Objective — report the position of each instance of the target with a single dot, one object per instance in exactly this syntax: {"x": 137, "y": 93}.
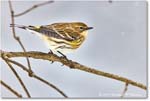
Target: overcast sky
{"x": 117, "y": 45}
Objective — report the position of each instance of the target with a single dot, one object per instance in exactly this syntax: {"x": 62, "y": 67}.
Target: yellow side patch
{"x": 37, "y": 27}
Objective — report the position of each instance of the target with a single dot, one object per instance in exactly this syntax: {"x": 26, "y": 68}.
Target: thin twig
{"x": 51, "y": 85}
{"x": 33, "y": 7}
{"x": 10, "y": 89}
{"x": 37, "y": 77}
{"x": 16, "y": 37}
{"x": 71, "y": 64}
{"x": 18, "y": 77}
{"x": 110, "y": 1}
{"x": 125, "y": 90}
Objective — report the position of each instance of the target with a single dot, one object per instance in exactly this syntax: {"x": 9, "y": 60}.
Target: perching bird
{"x": 60, "y": 37}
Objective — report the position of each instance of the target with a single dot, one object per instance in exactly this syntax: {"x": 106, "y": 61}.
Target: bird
{"x": 64, "y": 37}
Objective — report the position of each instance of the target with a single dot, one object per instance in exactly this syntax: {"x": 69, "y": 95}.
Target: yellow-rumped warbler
{"x": 60, "y": 37}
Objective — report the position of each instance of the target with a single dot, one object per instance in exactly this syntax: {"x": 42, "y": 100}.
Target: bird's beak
{"x": 88, "y": 28}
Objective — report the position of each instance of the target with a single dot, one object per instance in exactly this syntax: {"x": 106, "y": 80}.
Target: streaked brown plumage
{"x": 63, "y": 37}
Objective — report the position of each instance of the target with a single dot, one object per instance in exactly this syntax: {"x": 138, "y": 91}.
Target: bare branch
{"x": 10, "y": 89}
{"x": 125, "y": 90}
{"x": 18, "y": 77}
{"x": 16, "y": 37}
{"x": 29, "y": 71}
{"x": 33, "y": 7}
{"x": 110, "y": 1}
{"x": 53, "y": 86}
{"x": 71, "y": 64}
{"x": 37, "y": 77}
{"x": 51, "y": 57}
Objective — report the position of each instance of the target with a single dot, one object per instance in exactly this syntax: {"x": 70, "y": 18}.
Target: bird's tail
{"x": 19, "y": 26}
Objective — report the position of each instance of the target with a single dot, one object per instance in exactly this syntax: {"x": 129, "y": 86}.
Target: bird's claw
{"x": 52, "y": 62}
{"x": 63, "y": 56}
{"x": 50, "y": 52}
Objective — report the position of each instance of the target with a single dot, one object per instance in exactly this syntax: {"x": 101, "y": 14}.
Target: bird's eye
{"x": 81, "y": 28}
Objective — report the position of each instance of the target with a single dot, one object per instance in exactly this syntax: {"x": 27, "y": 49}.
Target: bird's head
{"x": 80, "y": 27}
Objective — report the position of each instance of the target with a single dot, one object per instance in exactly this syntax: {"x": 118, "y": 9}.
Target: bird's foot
{"x": 50, "y": 52}
{"x": 64, "y": 56}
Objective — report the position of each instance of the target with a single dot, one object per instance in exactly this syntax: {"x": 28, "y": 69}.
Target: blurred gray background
{"x": 117, "y": 44}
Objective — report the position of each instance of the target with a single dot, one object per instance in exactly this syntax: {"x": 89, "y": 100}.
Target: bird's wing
{"x": 51, "y": 32}
{"x": 72, "y": 33}
{"x": 65, "y": 30}
{"x": 48, "y": 32}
